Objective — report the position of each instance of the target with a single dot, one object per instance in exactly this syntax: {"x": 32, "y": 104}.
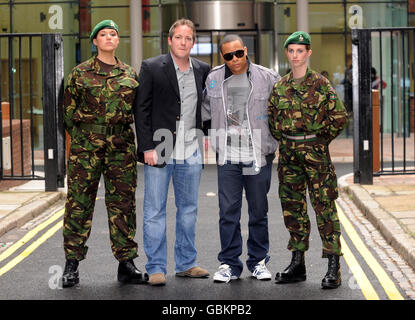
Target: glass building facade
{"x": 330, "y": 23}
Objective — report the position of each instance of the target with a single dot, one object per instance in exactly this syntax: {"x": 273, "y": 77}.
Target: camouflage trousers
{"x": 114, "y": 157}
{"x": 305, "y": 165}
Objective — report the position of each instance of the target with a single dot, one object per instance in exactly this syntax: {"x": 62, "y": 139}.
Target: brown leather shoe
{"x": 157, "y": 279}
{"x": 195, "y": 272}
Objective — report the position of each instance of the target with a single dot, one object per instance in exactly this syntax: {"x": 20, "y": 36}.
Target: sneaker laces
{"x": 224, "y": 270}
{"x": 260, "y": 268}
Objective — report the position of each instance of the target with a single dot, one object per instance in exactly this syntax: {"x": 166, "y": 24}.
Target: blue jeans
{"x": 186, "y": 179}
{"x": 231, "y": 182}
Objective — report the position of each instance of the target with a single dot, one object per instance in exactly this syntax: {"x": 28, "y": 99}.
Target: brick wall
{"x": 412, "y": 115}
{"x": 5, "y": 111}
{"x": 17, "y": 148}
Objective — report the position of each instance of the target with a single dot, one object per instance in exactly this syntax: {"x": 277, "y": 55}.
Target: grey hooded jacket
{"x": 214, "y": 108}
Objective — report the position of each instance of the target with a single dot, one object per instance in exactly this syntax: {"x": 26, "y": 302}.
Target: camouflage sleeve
{"x": 337, "y": 116}
{"x": 69, "y": 103}
{"x": 272, "y": 112}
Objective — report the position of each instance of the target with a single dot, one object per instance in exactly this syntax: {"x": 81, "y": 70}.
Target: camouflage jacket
{"x": 312, "y": 107}
{"x": 93, "y": 96}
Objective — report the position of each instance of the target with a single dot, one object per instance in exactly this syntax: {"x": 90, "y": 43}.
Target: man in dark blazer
{"x": 168, "y": 122}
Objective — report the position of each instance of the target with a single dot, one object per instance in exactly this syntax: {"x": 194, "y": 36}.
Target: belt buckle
{"x": 110, "y": 130}
{"x": 102, "y": 129}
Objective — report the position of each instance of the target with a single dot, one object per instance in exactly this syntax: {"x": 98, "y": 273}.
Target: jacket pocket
{"x": 127, "y": 94}
{"x": 127, "y": 85}
{"x": 214, "y": 93}
{"x": 122, "y": 93}
{"x": 88, "y": 93}
{"x": 215, "y": 101}
{"x": 313, "y": 116}
{"x": 89, "y": 86}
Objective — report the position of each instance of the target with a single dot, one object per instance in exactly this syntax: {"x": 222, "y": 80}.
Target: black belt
{"x": 104, "y": 129}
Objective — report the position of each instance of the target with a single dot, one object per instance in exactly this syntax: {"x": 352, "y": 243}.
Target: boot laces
{"x": 333, "y": 266}
{"x": 71, "y": 266}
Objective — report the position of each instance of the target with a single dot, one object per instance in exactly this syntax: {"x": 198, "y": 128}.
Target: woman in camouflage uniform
{"x": 97, "y": 113}
{"x": 305, "y": 115}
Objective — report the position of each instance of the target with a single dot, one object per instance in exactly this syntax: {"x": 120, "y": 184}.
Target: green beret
{"x": 298, "y": 37}
{"x": 102, "y": 25}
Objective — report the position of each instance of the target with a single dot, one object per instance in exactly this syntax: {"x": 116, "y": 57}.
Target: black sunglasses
{"x": 238, "y": 53}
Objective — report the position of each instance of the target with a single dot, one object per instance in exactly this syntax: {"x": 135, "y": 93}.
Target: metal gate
{"x": 383, "y": 102}
{"x": 31, "y": 125}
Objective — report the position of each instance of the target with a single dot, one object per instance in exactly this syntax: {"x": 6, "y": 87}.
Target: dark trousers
{"x": 232, "y": 179}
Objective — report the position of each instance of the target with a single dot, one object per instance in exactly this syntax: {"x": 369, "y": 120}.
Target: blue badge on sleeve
{"x": 212, "y": 84}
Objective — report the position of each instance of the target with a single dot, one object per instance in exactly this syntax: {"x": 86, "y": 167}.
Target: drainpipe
{"x": 136, "y": 34}
{"x": 302, "y": 15}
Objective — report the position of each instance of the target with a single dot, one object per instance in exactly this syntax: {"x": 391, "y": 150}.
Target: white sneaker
{"x": 224, "y": 274}
{"x": 261, "y": 272}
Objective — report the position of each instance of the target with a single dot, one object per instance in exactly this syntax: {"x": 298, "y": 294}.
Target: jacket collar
{"x": 308, "y": 79}
{"x": 92, "y": 64}
{"x": 168, "y": 66}
{"x": 176, "y": 66}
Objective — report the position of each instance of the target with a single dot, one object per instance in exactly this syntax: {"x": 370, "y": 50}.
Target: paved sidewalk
{"x": 20, "y": 204}
{"x": 389, "y": 203}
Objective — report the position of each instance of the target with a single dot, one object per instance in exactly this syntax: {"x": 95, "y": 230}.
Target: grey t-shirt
{"x": 239, "y": 144}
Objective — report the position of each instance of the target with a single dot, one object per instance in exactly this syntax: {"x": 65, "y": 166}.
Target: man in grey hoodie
{"x": 235, "y": 100}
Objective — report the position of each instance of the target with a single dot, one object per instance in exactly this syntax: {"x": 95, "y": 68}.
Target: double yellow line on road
{"x": 365, "y": 285}
{"x": 31, "y": 234}
{"x": 361, "y": 278}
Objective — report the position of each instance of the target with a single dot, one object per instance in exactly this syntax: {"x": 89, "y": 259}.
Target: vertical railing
{"x": 23, "y": 100}
{"x": 11, "y": 100}
{"x": 394, "y": 57}
{"x": 32, "y": 120}
{"x": 19, "y": 122}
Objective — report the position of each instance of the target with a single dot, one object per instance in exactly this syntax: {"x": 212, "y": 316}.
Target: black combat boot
{"x": 128, "y": 273}
{"x": 333, "y": 278}
{"x": 70, "y": 276}
{"x": 295, "y": 272}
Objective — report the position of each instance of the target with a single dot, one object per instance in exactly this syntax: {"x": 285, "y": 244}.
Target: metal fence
{"x": 383, "y": 102}
{"x": 31, "y": 126}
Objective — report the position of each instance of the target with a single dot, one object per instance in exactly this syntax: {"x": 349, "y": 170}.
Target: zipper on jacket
{"x": 257, "y": 168}
{"x": 226, "y": 120}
